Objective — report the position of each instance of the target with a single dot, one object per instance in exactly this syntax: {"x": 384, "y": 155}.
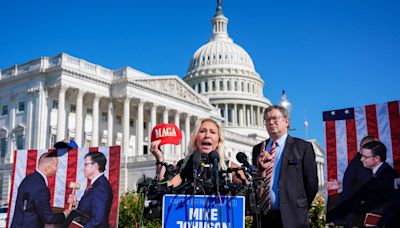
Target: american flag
{"x": 70, "y": 166}
{"x": 344, "y": 129}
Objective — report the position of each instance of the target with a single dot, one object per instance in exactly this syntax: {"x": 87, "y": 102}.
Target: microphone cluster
{"x": 207, "y": 180}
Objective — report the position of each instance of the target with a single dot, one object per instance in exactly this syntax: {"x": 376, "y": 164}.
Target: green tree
{"x": 130, "y": 209}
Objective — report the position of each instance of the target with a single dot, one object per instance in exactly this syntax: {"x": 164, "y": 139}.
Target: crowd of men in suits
{"x": 32, "y": 207}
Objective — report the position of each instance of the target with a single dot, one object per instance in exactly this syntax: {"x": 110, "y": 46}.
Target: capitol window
{"x": 73, "y": 108}
{"x": 55, "y": 104}
{"x": 119, "y": 120}
{"x": 3, "y": 147}
{"x": 4, "y": 110}
{"x": 104, "y": 116}
{"x": 20, "y": 141}
{"x": 89, "y": 111}
{"x": 21, "y": 106}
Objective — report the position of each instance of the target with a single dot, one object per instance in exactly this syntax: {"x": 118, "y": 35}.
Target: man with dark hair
{"x": 355, "y": 177}
{"x": 32, "y": 207}
{"x": 97, "y": 199}
{"x": 375, "y": 195}
{"x": 288, "y": 164}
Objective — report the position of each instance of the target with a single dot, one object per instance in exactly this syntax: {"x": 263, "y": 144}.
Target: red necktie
{"x": 88, "y": 186}
{"x": 265, "y": 197}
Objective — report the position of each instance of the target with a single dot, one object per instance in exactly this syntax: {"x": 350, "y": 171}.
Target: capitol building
{"x": 49, "y": 99}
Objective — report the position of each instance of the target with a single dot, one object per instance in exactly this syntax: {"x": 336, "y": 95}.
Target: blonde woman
{"x": 206, "y": 137}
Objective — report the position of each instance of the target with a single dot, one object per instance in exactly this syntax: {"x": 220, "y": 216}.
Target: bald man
{"x": 32, "y": 207}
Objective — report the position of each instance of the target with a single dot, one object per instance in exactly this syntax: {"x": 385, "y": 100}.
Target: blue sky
{"x": 326, "y": 54}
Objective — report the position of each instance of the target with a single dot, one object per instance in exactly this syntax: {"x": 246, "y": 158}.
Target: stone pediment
{"x": 172, "y": 86}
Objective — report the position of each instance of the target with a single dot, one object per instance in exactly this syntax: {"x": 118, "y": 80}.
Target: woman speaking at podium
{"x": 206, "y": 141}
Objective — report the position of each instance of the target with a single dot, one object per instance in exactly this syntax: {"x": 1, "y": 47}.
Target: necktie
{"x": 88, "y": 186}
{"x": 265, "y": 197}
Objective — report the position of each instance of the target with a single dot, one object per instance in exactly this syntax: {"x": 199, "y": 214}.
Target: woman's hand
{"x": 156, "y": 151}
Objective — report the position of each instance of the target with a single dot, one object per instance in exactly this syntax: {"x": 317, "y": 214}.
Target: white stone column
{"x": 28, "y": 121}
{"x": 225, "y": 82}
{"x": 226, "y": 114}
{"x": 248, "y": 117}
{"x": 235, "y": 120}
{"x": 259, "y": 122}
{"x": 217, "y": 85}
{"x": 139, "y": 129}
{"x": 79, "y": 117}
{"x": 42, "y": 113}
{"x": 61, "y": 113}
{"x": 177, "y": 123}
{"x": 125, "y": 126}
{"x": 110, "y": 123}
{"x": 203, "y": 87}
{"x": 165, "y": 115}
{"x": 252, "y": 115}
{"x": 9, "y": 158}
{"x": 153, "y": 115}
{"x": 95, "y": 120}
{"x": 241, "y": 116}
{"x": 167, "y": 148}
{"x": 187, "y": 131}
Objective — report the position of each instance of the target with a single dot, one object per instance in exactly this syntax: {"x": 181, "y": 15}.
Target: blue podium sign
{"x": 195, "y": 211}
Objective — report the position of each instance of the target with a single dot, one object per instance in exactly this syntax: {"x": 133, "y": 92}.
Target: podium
{"x": 203, "y": 211}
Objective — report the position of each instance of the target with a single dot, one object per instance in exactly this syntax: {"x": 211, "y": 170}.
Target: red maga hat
{"x": 168, "y": 133}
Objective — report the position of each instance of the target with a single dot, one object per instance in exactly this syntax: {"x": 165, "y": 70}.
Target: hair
{"x": 99, "y": 158}
{"x": 367, "y": 139}
{"x": 282, "y": 109}
{"x": 377, "y": 149}
{"x": 46, "y": 159}
{"x": 192, "y": 143}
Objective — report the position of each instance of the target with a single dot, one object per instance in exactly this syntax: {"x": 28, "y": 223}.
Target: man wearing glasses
{"x": 97, "y": 199}
{"x": 376, "y": 195}
{"x": 288, "y": 164}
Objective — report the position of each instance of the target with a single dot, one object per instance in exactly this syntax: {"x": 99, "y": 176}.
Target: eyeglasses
{"x": 89, "y": 163}
{"x": 273, "y": 118}
{"x": 366, "y": 157}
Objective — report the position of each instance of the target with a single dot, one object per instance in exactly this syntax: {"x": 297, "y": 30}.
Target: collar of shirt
{"x": 280, "y": 142}
{"x": 375, "y": 169}
{"x": 95, "y": 178}
{"x": 44, "y": 177}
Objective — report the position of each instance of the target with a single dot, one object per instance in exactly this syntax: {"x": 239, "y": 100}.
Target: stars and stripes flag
{"x": 70, "y": 169}
{"x": 344, "y": 129}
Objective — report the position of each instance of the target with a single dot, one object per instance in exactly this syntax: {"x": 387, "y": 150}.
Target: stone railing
{"x": 69, "y": 62}
{"x": 140, "y": 158}
{"x": 240, "y": 138}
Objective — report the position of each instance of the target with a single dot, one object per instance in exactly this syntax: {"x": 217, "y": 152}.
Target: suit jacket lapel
{"x": 285, "y": 155}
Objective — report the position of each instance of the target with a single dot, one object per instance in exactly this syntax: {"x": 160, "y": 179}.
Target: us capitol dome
{"x": 224, "y": 72}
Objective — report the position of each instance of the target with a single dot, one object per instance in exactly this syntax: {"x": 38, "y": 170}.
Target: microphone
{"x": 25, "y": 199}
{"x": 204, "y": 163}
{"x": 214, "y": 157}
{"x": 242, "y": 158}
{"x": 196, "y": 163}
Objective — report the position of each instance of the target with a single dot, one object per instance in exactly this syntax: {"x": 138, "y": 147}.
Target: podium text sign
{"x": 184, "y": 211}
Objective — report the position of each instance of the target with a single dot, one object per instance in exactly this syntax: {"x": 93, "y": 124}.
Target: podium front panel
{"x": 203, "y": 211}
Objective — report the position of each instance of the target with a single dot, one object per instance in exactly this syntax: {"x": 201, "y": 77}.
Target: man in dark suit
{"x": 375, "y": 196}
{"x": 354, "y": 178}
{"x": 97, "y": 199}
{"x": 290, "y": 163}
{"x": 32, "y": 207}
